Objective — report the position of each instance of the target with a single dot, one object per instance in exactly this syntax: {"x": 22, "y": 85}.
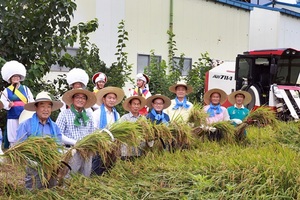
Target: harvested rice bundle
{"x": 146, "y": 126}
{"x": 182, "y": 134}
{"x": 40, "y": 153}
{"x": 197, "y": 116}
{"x": 240, "y": 131}
{"x": 226, "y": 129}
{"x": 262, "y": 116}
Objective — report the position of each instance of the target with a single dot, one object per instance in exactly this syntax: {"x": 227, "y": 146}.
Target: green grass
{"x": 265, "y": 166}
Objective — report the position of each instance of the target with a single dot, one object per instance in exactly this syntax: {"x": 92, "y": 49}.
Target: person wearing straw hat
{"x": 99, "y": 79}
{"x": 213, "y": 99}
{"x": 15, "y": 96}
{"x": 142, "y": 89}
{"x": 180, "y": 107}
{"x": 132, "y": 105}
{"x": 76, "y": 78}
{"x": 39, "y": 125}
{"x": 75, "y": 123}
{"x": 238, "y": 112}
{"x": 156, "y": 104}
{"x": 107, "y": 99}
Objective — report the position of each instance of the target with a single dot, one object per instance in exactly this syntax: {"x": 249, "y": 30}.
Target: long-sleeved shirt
{"x": 181, "y": 113}
{"x": 223, "y": 116}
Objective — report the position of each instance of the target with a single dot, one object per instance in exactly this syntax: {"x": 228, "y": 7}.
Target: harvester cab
{"x": 271, "y": 77}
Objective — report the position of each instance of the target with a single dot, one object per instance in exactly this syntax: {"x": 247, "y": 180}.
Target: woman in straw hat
{"x": 214, "y": 98}
{"x": 142, "y": 81}
{"x": 156, "y": 104}
{"x": 238, "y": 112}
{"x": 180, "y": 107}
{"x": 39, "y": 125}
{"x": 15, "y": 96}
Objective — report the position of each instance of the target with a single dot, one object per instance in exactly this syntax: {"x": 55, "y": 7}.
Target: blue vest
{"x": 15, "y": 111}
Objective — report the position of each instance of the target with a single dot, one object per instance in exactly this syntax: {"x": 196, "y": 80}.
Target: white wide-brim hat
{"x": 208, "y": 94}
{"x": 77, "y": 75}
{"x": 68, "y": 97}
{"x": 11, "y": 68}
{"x": 189, "y": 88}
{"x": 43, "y": 97}
{"x": 107, "y": 90}
{"x": 167, "y": 100}
{"x": 247, "y": 97}
{"x": 127, "y": 101}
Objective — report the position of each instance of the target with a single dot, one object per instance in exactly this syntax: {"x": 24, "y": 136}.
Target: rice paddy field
{"x": 265, "y": 165}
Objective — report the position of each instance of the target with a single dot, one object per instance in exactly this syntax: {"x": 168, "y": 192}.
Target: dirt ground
{"x": 11, "y": 178}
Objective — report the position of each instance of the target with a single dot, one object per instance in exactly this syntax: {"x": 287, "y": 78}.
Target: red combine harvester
{"x": 270, "y": 76}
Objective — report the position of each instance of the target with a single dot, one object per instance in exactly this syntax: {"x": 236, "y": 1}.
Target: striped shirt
{"x": 65, "y": 122}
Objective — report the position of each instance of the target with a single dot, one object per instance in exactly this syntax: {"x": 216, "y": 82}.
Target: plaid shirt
{"x": 65, "y": 121}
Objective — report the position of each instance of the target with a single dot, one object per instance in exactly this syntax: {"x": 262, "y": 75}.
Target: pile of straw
{"x": 262, "y": 116}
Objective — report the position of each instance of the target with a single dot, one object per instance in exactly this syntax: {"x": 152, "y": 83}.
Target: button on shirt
{"x": 238, "y": 113}
{"x": 65, "y": 121}
{"x": 24, "y": 130}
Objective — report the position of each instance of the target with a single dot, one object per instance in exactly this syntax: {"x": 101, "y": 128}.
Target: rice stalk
{"x": 226, "y": 129}
{"x": 262, "y": 116}
{"x": 182, "y": 134}
{"x": 197, "y": 116}
{"x": 146, "y": 126}
{"x": 40, "y": 153}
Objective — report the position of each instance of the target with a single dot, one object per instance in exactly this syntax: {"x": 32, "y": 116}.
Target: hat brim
{"x": 31, "y": 106}
{"x": 167, "y": 100}
{"x": 247, "y": 95}
{"x": 25, "y": 114}
{"x": 189, "y": 89}
{"x": 126, "y": 102}
{"x": 107, "y": 90}
{"x": 95, "y": 76}
{"x": 68, "y": 97}
{"x": 207, "y": 95}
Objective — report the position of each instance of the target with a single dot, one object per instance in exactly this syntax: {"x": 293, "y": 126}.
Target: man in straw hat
{"x": 76, "y": 123}
{"x": 107, "y": 99}
{"x": 142, "y": 89}
{"x": 180, "y": 107}
{"x": 15, "y": 96}
{"x": 133, "y": 105}
{"x": 238, "y": 112}
{"x": 213, "y": 99}
{"x": 156, "y": 104}
{"x": 39, "y": 125}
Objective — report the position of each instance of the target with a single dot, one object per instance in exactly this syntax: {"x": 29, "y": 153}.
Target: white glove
{"x": 151, "y": 143}
{"x": 67, "y": 140}
{"x": 237, "y": 121}
{"x": 1, "y": 152}
{"x": 212, "y": 129}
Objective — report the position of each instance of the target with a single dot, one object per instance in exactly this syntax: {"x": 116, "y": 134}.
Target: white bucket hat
{"x": 77, "y": 75}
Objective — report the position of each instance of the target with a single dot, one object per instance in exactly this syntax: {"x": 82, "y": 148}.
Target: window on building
{"x": 143, "y": 60}
{"x": 70, "y": 50}
{"x": 187, "y": 65}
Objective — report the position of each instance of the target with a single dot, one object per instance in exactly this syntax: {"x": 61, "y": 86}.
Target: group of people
{"x": 83, "y": 111}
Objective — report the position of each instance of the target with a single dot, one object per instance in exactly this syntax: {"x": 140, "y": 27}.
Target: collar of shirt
{"x": 132, "y": 116}
{"x": 240, "y": 107}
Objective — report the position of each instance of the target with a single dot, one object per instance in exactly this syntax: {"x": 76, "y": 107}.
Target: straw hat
{"x": 68, "y": 97}
{"x": 115, "y": 90}
{"x": 167, "y": 101}
{"x": 25, "y": 114}
{"x": 215, "y": 90}
{"x": 189, "y": 88}
{"x": 126, "y": 102}
{"x": 247, "y": 95}
{"x": 77, "y": 75}
{"x": 143, "y": 77}
{"x": 42, "y": 97}
{"x": 99, "y": 77}
{"x": 11, "y": 68}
